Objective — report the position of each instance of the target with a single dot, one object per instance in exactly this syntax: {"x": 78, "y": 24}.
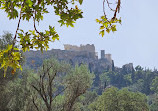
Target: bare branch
{"x": 42, "y": 87}
{"x": 104, "y": 7}
{"x": 117, "y": 10}
{"x": 14, "y": 40}
{"x": 109, "y": 5}
{"x": 33, "y": 100}
{"x": 59, "y": 93}
{"x": 35, "y": 25}
{"x": 40, "y": 93}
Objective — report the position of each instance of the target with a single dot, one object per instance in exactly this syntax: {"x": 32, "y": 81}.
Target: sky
{"x": 135, "y": 41}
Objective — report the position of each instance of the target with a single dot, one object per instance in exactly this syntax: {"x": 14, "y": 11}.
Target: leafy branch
{"x": 35, "y": 9}
{"x": 106, "y": 23}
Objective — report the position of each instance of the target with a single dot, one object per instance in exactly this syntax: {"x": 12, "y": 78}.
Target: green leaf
{"x": 16, "y": 49}
{"x": 105, "y": 24}
{"x": 102, "y": 27}
{"x": 80, "y": 1}
{"x": 3, "y": 64}
{"x": 5, "y": 71}
{"x": 9, "y": 58}
{"x": 29, "y": 3}
{"x": 102, "y": 17}
{"x": 102, "y": 33}
{"x": 97, "y": 20}
{"x": 113, "y": 28}
{"x": 120, "y": 21}
{"x": 108, "y": 30}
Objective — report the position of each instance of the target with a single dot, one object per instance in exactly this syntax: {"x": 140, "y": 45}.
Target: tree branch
{"x": 59, "y": 93}
{"x": 40, "y": 93}
{"x": 14, "y": 40}
{"x": 35, "y": 104}
{"x": 115, "y": 11}
{"x": 35, "y": 25}
{"x": 104, "y": 8}
{"x": 109, "y": 5}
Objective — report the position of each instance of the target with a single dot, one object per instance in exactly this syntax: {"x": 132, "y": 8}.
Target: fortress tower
{"x": 102, "y": 54}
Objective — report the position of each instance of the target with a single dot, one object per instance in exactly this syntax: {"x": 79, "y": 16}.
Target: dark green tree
{"x": 120, "y": 100}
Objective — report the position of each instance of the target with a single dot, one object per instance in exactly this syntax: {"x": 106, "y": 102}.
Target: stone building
{"x": 74, "y": 55}
{"x": 88, "y": 47}
{"x": 83, "y": 54}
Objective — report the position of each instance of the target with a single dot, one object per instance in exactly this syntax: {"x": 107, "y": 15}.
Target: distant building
{"x": 74, "y": 55}
{"x": 88, "y": 47}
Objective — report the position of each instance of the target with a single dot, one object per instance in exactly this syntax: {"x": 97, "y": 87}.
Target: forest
{"x": 58, "y": 86}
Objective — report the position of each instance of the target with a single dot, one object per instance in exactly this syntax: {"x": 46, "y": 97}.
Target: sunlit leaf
{"x": 80, "y": 1}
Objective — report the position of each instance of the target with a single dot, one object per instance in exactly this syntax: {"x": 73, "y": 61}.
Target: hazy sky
{"x": 135, "y": 41}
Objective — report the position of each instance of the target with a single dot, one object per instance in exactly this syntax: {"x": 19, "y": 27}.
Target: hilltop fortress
{"x": 88, "y": 47}
{"x": 75, "y": 55}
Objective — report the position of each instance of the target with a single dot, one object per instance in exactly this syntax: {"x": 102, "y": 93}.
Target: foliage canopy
{"x": 56, "y": 86}
{"x": 120, "y": 100}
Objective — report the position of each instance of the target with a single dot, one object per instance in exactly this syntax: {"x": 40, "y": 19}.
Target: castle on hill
{"x": 75, "y": 55}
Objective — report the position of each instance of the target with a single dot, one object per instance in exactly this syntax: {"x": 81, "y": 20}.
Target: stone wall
{"x": 72, "y": 57}
{"x": 34, "y": 59}
{"x": 108, "y": 57}
{"x": 128, "y": 68}
{"x": 88, "y": 47}
{"x": 71, "y": 47}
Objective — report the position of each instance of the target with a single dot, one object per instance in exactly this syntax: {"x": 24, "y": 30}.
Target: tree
{"x": 56, "y": 86}
{"x": 68, "y": 12}
{"x": 18, "y": 91}
{"x": 78, "y": 81}
{"x": 154, "y": 85}
{"x": 49, "y": 82}
{"x": 119, "y": 100}
{"x": 153, "y": 102}
{"x": 6, "y": 39}
{"x": 137, "y": 86}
